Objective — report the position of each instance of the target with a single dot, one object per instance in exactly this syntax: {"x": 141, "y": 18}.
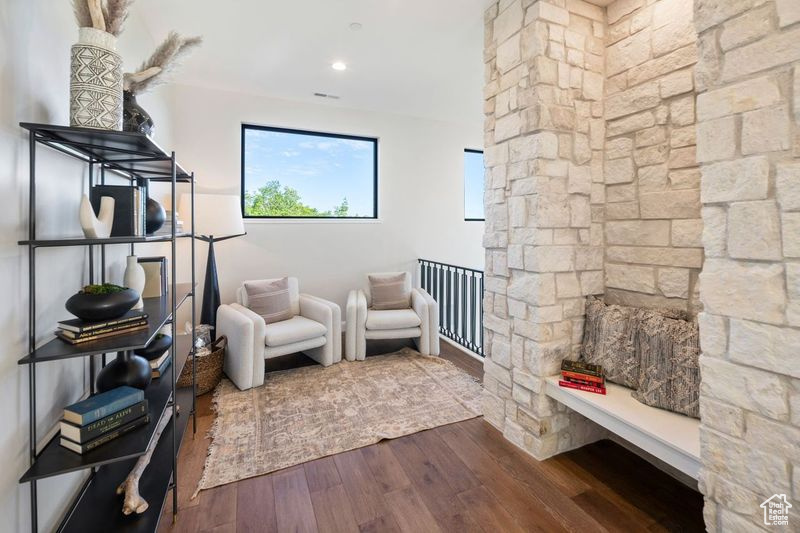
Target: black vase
{"x": 155, "y": 217}
{"x": 95, "y": 307}
{"x": 156, "y": 347}
{"x": 134, "y": 117}
{"x": 127, "y": 369}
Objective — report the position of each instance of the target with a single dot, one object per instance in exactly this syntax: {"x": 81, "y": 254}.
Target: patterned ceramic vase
{"x": 95, "y": 88}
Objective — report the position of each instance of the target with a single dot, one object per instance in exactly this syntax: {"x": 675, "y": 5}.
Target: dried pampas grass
{"x": 164, "y": 60}
{"x": 116, "y": 12}
{"x": 82, "y": 15}
{"x": 108, "y": 16}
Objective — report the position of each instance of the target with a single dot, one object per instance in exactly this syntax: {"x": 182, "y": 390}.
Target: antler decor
{"x": 164, "y": 60}
{"x": 134, "y": 503}
{"x": 108, "y": 15}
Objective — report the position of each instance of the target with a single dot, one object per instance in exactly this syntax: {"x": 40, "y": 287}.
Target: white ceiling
{"x": 414, "y": 57}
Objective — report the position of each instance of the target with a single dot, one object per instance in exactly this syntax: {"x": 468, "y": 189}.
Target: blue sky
{"x": 324, "y": 170}
{"x": 473, "y": 185}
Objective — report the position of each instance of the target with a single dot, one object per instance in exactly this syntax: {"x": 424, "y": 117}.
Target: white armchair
{"x": 314, "y": 329}
{"x": 420, "y": 321}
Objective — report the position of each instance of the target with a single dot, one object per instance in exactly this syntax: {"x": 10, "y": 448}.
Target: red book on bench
{"x": 579, "y": 386}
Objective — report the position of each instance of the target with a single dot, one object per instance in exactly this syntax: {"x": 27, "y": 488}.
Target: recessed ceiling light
{"x": 339, "y": 65}
{"x": 355, "y": 26}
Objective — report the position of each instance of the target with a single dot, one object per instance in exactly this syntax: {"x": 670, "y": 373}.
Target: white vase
{"x": 134, "y": 278}
{"x": 97, "y": 227}
{"x": 95, "y": 85}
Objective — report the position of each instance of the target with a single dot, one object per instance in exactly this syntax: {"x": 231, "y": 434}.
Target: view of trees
{"x": 272, "y": 200}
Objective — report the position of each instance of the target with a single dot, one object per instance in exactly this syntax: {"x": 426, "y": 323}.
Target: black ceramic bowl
{"x": 95, "y": 307}
{"x": 156, "y": 347}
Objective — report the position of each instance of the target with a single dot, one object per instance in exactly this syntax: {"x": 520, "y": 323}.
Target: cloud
{"x": 336, "y": 146}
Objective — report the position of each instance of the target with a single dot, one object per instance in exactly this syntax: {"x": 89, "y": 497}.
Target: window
{"x": 473, "y": 185}
{"x": 303, "y": 174}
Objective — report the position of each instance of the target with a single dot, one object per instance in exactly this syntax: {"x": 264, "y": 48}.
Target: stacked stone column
{"x": 544, "y": 192}
{"x": 748, "y": 144}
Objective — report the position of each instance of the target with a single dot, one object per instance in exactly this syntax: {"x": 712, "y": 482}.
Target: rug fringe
{"x": 211, "y": 433}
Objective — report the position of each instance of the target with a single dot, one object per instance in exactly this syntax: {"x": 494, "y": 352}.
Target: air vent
{"x": 324, "y": 95}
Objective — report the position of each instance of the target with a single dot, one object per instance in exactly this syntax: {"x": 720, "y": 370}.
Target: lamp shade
{"x": 219, "y": 215}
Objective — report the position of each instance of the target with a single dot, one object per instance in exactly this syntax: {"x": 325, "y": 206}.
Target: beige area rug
{"x": 306, "y": 413}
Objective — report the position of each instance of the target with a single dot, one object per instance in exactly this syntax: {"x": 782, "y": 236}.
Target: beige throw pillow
{"x": 389, "y": 292}
{"x": 669, "y": 372}
{"x": 269, "y": 299}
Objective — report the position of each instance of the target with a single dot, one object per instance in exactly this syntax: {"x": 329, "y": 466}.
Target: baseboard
{"x": 465, "y": 350}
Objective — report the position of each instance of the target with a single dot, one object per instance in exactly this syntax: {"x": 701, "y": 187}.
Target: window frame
{"x": 464, "y": 181}
{"x": 278, "y": 129}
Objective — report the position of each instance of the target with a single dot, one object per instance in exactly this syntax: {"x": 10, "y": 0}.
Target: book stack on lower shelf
{"x": 582, "y": 376}
{"x": 102, "y": 418}
{"x": 159, "y": 365}
{"x": 77, "y": 331}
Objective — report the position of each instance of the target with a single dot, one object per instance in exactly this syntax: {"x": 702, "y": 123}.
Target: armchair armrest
{"x": 244, "y": 361}
{"x": 424, "y": 299}
{"x": 420, "y": 306}
{"x": 329, "y": 315}
{"x": 356, "y": 324}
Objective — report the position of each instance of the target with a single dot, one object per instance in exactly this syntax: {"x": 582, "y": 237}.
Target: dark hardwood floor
{"x": 462, "y": 477}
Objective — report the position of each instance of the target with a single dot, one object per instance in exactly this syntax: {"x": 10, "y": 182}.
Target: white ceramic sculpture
{"x": 97, "y": 227}
{"x": 134, "y": 278}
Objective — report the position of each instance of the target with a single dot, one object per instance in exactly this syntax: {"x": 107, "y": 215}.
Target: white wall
{"x": 35, "y": 40}
{"x": 421, "y": 205}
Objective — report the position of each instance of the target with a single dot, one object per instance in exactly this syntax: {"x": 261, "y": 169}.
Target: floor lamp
{"x": 218, "y": 217}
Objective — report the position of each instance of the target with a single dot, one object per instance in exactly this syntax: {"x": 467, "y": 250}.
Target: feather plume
{"x": 166, "y": 57}
{"x": 82, "y": 15}
{"x": 116, "y": 12}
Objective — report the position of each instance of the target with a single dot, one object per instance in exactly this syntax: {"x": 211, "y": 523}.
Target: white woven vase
{"x": 95, "y": 86}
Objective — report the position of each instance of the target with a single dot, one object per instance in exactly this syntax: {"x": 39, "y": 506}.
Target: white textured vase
{"x": 97, "y": 227}
{"x": 134, "y": 278}
{"x": 95, "y": 84}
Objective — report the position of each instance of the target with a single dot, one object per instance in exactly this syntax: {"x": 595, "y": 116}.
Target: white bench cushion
{"x": 295, "y": 329}
{"x": 392, "y": 319}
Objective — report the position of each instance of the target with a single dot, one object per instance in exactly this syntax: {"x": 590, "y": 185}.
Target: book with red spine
{"x": 580, "y": 386}
{"x": 567, "y": 374}
{"x": 582, "y": 382}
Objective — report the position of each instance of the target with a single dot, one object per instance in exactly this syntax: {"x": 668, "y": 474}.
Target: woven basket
{"x": 209, "y": 368}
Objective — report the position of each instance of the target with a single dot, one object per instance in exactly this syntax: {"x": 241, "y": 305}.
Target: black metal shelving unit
{"x": 126, "y": 156}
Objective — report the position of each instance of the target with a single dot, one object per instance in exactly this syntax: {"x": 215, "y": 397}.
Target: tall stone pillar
{"x": 544, "y": 234}
{"x": 748, "y": 144}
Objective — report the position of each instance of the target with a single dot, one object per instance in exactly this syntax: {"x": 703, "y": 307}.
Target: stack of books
{"x": 77, "y": 331}
{"x": 130, "y": 207}
{"x": 160, "y": 364}
{"x": 166, "y": 229}
{"x": 583, "y": 376}
{"x": 102, "y": 418}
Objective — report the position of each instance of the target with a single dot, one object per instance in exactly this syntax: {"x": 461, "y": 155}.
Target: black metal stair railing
{"x": 459, "y": 292}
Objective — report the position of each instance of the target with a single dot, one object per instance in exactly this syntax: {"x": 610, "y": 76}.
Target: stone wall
{"x": 544, "y": 142}
{"x": 653, "y": 226}
{"x": 593, "y": 185}
{"x": 748, "y": 144}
